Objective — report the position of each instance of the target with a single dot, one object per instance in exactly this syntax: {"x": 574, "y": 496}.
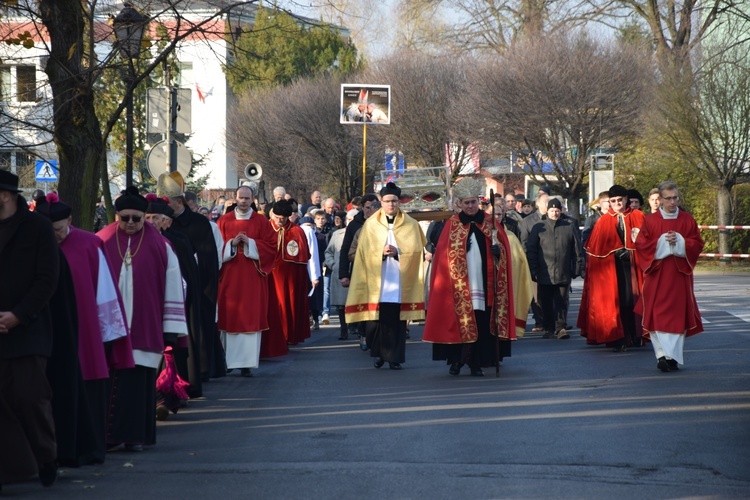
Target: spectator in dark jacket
{"x": 344, "y": 272}
{"x": 554, "y": 253}
{"x": 100, "y": 216}
{"x": 369, "y": 202}
{"x": 29, "y": 268}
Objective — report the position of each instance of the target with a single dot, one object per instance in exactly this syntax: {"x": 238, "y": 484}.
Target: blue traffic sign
{"x": 46, "y": 170}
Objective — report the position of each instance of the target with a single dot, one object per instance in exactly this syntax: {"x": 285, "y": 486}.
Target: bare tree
{"x": 493, "y": 26}
{"x": 359, "y": 16}
{"x": 677, "y": 27}
{"x": 295, "y": 134}
{"x": 423, "y": 25}
{"x": 554, "y": 101}
{"x": 424, "y": 90}
{"x": 708, "y": 123}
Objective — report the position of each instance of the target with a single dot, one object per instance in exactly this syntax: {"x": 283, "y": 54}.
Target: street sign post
{"x": 158, "y": 155}
{"x": 46, "y": 170}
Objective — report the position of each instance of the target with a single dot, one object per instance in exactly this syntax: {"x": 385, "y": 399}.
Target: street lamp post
{"x": 129, "y": 26}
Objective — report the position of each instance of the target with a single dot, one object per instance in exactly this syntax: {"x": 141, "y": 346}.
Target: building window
{"x": 25, "y": 163}
{"x": 24, "y": 159}
{"x": 6, "y": 160}
{"x": 5, "y": 87}
{"x": 26, "y": 83}
{"x": 185, "y": 78}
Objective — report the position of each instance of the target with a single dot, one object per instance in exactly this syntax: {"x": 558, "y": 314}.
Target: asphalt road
{"x": 564, "y": 420}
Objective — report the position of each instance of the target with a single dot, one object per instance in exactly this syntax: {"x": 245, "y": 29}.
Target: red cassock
{"x": 668, "y": 302}
{"x": 450, "y": 315}
{"x": 243, "y": 282}
{"x": 289, "y": 311}
{"x": 599, "y": 314}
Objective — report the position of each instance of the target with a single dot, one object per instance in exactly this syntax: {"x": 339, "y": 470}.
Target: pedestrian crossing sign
{"x": 46, "y": 170}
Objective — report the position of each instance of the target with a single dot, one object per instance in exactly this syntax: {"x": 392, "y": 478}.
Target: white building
{"x": 25, "y": 95}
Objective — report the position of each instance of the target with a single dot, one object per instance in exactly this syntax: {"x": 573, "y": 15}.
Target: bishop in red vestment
{"x": 471, "y": 288}
{"x": 613, "y": 280}
{"x": 249, "y": 252}
{"x": 669, "y": 245}
{"x": 289, "y": 310}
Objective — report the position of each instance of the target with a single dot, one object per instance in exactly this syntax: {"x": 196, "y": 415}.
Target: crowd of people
{"x": 168, "y": 296}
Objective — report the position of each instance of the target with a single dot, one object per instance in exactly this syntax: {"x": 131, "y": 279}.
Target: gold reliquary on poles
{"x": 425, "y": 191}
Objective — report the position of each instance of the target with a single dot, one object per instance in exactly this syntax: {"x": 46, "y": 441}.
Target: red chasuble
{"x": 81, "y": 250}
{"x": 243, "y": 282}
{"x": 599, "y": 315}
{"x": 450, "y": 315}
{"x": 668, "y": 301}
{"x": 289, "y": 309}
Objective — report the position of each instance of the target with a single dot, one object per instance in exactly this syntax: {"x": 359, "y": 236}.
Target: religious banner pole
{"x": 363, "y": 104}
{"x": 364, "y": 158}
{"x": 494, "y": 295}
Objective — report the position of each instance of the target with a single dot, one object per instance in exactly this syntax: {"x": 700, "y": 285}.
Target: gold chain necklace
{"x": 128, "y": 258}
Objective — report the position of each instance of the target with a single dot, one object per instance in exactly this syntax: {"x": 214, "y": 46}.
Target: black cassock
{"x": 198, "y": 230}
{"x": 188, "y": 360}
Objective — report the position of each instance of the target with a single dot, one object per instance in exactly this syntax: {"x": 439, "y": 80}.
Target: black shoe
{"x": 379, "y": 363}
{"x": 395, "y": 366}
{"x": 477, "y": 372}
{"x": 455, "y": 369}
{"x": 245, "y": 372}
{"x": 162, "y": 413}
{"x": 548, "y": 335}
{"x": 316, "y": 326}
{"x": 48, "y": 474}
{"x": 673, "y": 365}
{"x": 663, "y": 365}
{"x": 620, "y": 348}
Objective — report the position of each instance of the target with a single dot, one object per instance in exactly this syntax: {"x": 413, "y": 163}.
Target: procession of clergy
{"x": 162, "y": 300}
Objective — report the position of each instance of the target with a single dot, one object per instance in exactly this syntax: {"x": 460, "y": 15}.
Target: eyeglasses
{"x": 128, "y": 218}
{"x": 616, "y": 200}
{"x": 670, "y": 198}
{"x": 390, "y": 201}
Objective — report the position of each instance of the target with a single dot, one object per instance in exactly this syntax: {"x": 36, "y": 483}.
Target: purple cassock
{"x": 100, "y": 314}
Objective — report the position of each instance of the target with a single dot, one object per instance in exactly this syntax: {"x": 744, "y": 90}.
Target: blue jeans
{"x": 326, "y": 294}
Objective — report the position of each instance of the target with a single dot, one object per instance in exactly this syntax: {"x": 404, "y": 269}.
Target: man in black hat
{"x": 613, "y": 278}
{"x": 29, "y": 267}
{"x": 635, "y": 200}
{"x": 554, "y": 254}
{"x": 148, "y": 277}
{"x": 387, "y": 285}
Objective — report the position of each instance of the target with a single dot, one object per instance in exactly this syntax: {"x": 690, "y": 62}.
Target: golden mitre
{"x": 170, "y": 185}
{"x": 469, "y": 187}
